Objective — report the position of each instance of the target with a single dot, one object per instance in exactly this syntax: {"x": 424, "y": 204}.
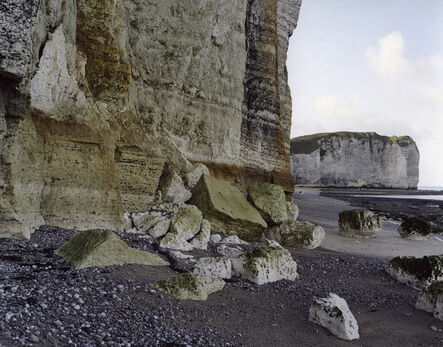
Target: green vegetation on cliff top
{"x": 309, "y": 143}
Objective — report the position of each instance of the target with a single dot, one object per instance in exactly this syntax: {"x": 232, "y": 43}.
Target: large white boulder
{"x": 267, "y": 263}
{"x": 176, "y": 242}
{"x": 187, "y": 222}
{"x": 292, "y": 211}
{"x": 333, "y": 313}
{"x": 200, "y": 241}
{"x": 213, "y": 267}
{"x": 174, "y": 190}
{"x": 431, "y": 300}
{"x": 160, "y": 229}
{"x": 299, "y": 234}
{"x": 193, "y": 176}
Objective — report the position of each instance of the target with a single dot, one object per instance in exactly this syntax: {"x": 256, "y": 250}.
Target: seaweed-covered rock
{"x": 190, "y": 287}
{"x": 186, "y": 223}
{"x": 333, "y": 313}
{"x": 174, "y": 241}
{"x": 160, "y": 229}
{"x": 213, "y": 267}
{"x": 103, "y": 248}
{"x": 200, "y": 241}
{"x": 359, "y": 223}
{"x": 267, "y": 263}
{"x": 415, "y": 272}
{"x": 300, "y": 234}
{"x": 431, "y": 300}
{"x": 292, "y": 211}
{"x": 414, "y": 228}
{"x": 227, "y": 209}
{"x": 270, "y": 200}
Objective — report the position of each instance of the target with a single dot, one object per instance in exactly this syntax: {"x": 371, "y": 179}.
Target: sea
{"x": 411, "y": 196}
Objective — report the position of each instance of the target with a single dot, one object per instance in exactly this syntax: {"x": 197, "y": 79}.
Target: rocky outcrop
{"x": 96, "y": 97}
{"x": 359, "y": 223}
{"x": 346, "y": 159}
{"x": 298, "y": 234}
{"x": 414, "y": 228}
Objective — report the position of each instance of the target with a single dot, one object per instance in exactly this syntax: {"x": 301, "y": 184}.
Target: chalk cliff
{"x": 97, "y": 96}
{"x": 347, "y": 159}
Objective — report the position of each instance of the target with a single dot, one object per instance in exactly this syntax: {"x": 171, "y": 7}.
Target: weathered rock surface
{"x": 431, "y": 300}
{"x": 227, "y": 209}
{"x": 174, "y": 241}
{"x": 193, "y": 176}
{"x": 414, "y": 228}
{"x": 103, "y": 248}
{"x": 160, "y": 229}
{"x": 145, "y": 221}
{"x": 190, "y": 287}
{"x": 187, "y": 222}
{"x": 229, "y": 251}
{"x": 233, "y": 240}
{"x": 270, "y": 201}
{"x": 415, "y": 272}
{"x": 268, "y": 263}
{"x": 213, "y": 267}
{"x": 174, "y": 190}
{"x": 299, "y": 234}
{"x": 359, "y": 223}
{"x": 346, "y": 159}
{"x": 96, "y": 98}
{"x": 333, "y": 313}
{"x": 292, "y": 211}
{"x": 200, "y": 241}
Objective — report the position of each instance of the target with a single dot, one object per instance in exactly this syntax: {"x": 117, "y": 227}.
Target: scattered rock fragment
{"x": 176, "y": 242}
{"x": 190, "y": 287}
{"x": 103, "y": 248}
{"x": 415, "y": 272}
{"x": 359, "y": 223}
{"x": 174, "y": 190}
{"x": 227, "y": 209}
{"x": 214, "y": 267}
{"x": 216, "y": 238}
{"x": 186, "y": 223}
{"x": 431, "y": 300}
{"x": 299, "y": 234}
{"x": 267, "y": 263}
{"x": 333, "y": 313}
{"x": 146, "y": 220}
{"x": 228, "y": 251}
{"x": 160, "y": 229}
{"x": 414, "y": 228}
{"x": 270, "y": 200}
{"x": 200, "y": 241}
{"x": 234, "y": 240}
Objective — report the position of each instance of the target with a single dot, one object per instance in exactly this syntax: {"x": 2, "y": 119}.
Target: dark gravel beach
{"x": 43, "y": 303}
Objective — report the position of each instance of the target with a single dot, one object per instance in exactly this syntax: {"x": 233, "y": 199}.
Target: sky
{"x": 371, "y": 65}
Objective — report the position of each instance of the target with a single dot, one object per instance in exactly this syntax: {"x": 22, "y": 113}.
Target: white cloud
{"x": 330, "y": 106}
{"x": 387, "y": 58}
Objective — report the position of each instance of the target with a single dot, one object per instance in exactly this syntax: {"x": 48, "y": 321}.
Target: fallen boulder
{"x": 190, "y": 287}
{"x": 227, "y": 209}
{"x": 214, "y": 267}
{"x": 200, "y": 241}
{"x": 174, "y": 190}
{"x": 176, "y": 242}
{"x": 414, "y": 228}
{"x": 431, "y": 300}
{"x": 233, "y": 240}
{"x": 333, "y": 313}
{"x": 146, "y": 220}
{"x": 193, "y": 176}
{"x": 300, "y": 234}
{"x": 359, "y": 223}
{"x": 103, "y": 248}
{"x": 292, "y": 211}
{"x": 187, "y": 222}
{"x": 268, "y": 263}
{"x": 160, "y": 229}
{"x": 415, "y": 272}
{"x": 270, "y": 201}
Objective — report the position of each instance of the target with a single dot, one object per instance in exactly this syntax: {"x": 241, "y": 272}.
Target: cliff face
{"x": 355, "y": 160}
{"x": 96, "y": 96}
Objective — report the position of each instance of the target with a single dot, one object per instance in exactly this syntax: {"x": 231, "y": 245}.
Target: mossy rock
{"x": 186, "y": 222}
{"x": 270, "y": 201}
{"x": 227, "y": 209}
{"x": 103, "y": 248}
{"x": 300, "y": 234}
{"x": 359, "y": 223}
{"x": 414, "y": 228}
{"x": 190, "y": 287}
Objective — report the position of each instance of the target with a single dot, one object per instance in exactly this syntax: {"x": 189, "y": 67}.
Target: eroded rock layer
{"x": 348, "y": 159}
{"x": 98, "y": 97}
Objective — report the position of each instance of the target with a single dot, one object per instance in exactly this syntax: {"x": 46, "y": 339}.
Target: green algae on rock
{"x": 431, "y": 300}
{"x": 227, "y": 209}
{"x": 359, "y": 223}
{"x": 186, "y": 222}
{"x": 300, "y": 234}
{"x": 103, "y": 248}
{"x": 187, "y": 286}
{"x": 270, "y": 201}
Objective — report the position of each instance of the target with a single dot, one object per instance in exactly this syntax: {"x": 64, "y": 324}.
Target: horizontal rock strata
{"x": 346, "y": 159}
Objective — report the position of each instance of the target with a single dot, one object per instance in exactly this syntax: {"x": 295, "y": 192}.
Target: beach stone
{"x": 188, "y": 286}
{"x": 127, "y": 219}
{"x": 414, "y": 228}
{"x": 174, "y": 189}
{"x": 186, "y": 222}
{"x": 334, "y": 314}
{"x": 160, "y": 229}
{"x": 214, "y": 267}
{"x": 200, "y": 241}
{"x": 359, "y": 223}
{"x": 267, "y": 263}
{"x": 415, "y": 272}
{"x": 300, "y": 234}
{"x": 193, "y": 176}
{"x": 431, "y": 300}
{"x": 270, "y": 200}
{"x": 227, "y": 209}
{"x": 216, "y": 238}
{"x": 292, "y": 211}
{"x": 228, "y": 251}
{"x": 103, "y": 248}
{"x": 176, "y": 242}
{"x": 146, "y": 220}
{"x": 234, "y": 240}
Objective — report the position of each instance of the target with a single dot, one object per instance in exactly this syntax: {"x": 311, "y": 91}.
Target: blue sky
{"x": 371, "y": 65}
